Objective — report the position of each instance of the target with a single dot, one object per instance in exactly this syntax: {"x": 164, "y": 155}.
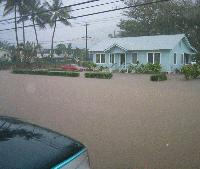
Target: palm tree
{"x": 57, "y": 14}
{"x": 23, "y": 11}
{"x": 38, "y": 16}
{"x": 10, "y": 6}
{"x": 18, "y": 6}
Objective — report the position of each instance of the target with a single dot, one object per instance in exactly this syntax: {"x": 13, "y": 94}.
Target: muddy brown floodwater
{"x": 127, "y": 122}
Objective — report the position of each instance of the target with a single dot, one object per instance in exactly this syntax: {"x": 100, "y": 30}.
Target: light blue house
{"x": 171, "y": 51}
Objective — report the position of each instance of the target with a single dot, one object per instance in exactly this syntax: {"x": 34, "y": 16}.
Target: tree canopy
{"x": 173, "y": 17}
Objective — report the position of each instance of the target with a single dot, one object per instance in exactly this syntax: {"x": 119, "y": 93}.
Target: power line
{"x": 68, "y": 6}
{"x": 101, "y": 12}
{"x": 78, "y": 9}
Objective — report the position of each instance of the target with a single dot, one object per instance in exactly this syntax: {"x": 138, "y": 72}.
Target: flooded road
{"x": 127, "y": 122}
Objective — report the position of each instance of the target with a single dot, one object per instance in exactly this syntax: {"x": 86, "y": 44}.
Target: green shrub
{"x": 22, "y": 71}
{"x": 56, "y": 73}
{"x": 38, "y": 72}
{"x": 72, "y": 74}
{"x": 56, "y": 69}
{"x": 191, "y": 71}
{"x": 145, "y": 68}
{"x": 100, "y": 75}
{"x": 46, "y": 72}
{"x": 158, "y": 77}
{"x": 5, "y": 64}
{"x": 89, "y": 65}
{"x": 63, "y": 73}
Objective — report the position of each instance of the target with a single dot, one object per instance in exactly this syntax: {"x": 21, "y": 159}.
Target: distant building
{"x": 4, "y": 55}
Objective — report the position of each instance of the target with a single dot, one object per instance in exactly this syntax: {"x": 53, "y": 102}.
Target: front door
{"x": 122, "y": 59}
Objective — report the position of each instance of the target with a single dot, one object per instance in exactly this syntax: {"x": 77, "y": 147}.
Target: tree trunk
{"x": 52, "y": 39}
{"x": 24, "y": 39}
{"x": 16, "y": 25}
{"x": 36, "y": 37}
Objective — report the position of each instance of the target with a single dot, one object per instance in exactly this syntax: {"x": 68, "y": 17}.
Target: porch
{"x": 119, "y": 61}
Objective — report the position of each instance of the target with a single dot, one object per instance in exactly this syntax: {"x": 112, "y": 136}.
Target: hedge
{"x": 158, "y": 77}
{"x": 99, "y": 75}
{"x": 46, "y": 72}
{"x": 63, "y": 73}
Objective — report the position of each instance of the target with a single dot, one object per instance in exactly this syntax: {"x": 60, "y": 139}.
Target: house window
{"x": 112, "y": 58}
{"x": 100, "y": 58}
{"x": 157, "y": 58}
{"x": 150, "y": 57}
{"x": 182, "y": 58}
{"x": 103, "y": 59}
{"x": 154, "y": 58}
{"x": 134, "y": 58}
{"x": 175, "y": 59}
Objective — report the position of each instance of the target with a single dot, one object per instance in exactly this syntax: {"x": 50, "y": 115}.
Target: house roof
{"x": 140, "y": 43}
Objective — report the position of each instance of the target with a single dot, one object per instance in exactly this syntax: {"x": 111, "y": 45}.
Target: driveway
{"x": 127, "y": 122}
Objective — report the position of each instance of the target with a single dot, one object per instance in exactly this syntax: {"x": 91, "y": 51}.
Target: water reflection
{"x": 6, "y": 134}
{"x": 11, "y": 127}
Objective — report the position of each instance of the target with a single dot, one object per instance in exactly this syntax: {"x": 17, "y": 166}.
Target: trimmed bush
{"x": 46, "y": 72}
{"x": 158, "y": 77}
{"x": 99, "y": 75}
{"x": 63, "y": 73}
{"x": 39, "y": 72}
{"x": 22, "y": 71}
{"x": 72, "y": 74}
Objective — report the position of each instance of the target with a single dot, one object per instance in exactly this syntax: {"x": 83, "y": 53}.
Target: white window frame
{"x": 136, "y": 59}
{"x": 182, "y": 59}
{"x": 110, "y": 57}
{"x": 153, "y": 57}
{"x": 175, "y": 54}
{"x": 100, "y": 58}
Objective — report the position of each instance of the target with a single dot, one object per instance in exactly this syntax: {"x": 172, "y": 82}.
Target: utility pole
{"x": 86, "y": 40}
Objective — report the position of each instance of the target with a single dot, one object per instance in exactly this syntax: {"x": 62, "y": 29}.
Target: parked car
{"x": 73, "y": 67}
{"x": 27, "y": 146}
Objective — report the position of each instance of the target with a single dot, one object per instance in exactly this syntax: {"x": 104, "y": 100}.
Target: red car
{"x": 73, "y": 67}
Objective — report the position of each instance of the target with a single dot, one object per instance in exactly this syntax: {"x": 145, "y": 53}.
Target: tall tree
{"x": 16, "y": 6}
{"x": 60, "y": 49}
{"x": 38, "y": 16}
{"x": 175, "y": 16}
{"x": 57, "y": 14}
{"x": 12, "y": 6}
{"x": 23, "y": 12}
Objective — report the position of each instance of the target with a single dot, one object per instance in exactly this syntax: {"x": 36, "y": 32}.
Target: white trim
{"x": 125, "y": 60}
{"x": 110, "y": 56}
{"x": 153, "y": 57}
{"x": 100, "y": 58}
{"x": 132, "y": 57}
{"x": 120, "y": 58}
{"x": 176, "y": 59}
{"x": 110, "y": 47}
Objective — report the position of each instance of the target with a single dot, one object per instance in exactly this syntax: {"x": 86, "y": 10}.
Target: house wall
{"x": 167, "y": 56}
{"x": 179, "y": 49}
{"x": 141, "y": 55}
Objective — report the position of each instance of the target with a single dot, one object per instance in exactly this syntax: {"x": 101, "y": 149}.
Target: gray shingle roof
{"x": 140, "y": 43}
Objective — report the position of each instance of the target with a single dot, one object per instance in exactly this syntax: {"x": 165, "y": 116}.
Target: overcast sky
{"x": 99, "y": 26}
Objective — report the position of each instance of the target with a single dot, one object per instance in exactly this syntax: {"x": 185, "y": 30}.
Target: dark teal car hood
{"x": 27, "y": 146}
